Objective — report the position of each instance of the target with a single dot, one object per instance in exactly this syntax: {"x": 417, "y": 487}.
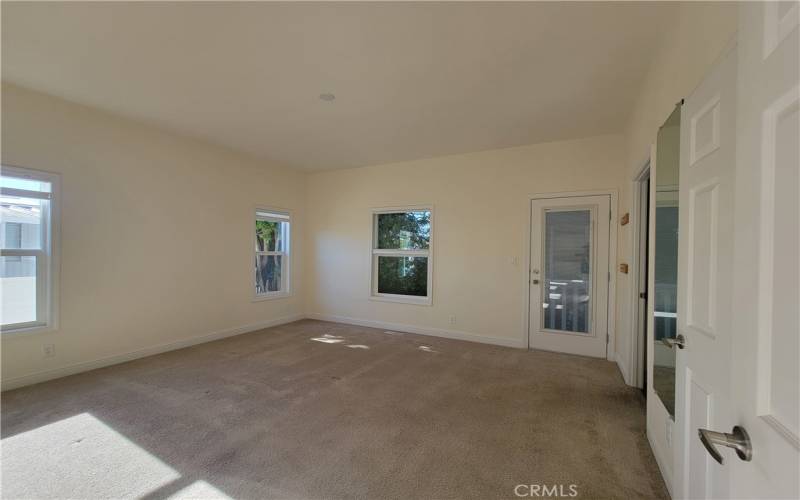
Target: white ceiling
{"x": 411, "y": 80}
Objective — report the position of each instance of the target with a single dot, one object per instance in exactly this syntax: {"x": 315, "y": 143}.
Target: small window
{"x": 401, "y": 255}
{"x": 272, "y": 254}
{"x": 28, "y": 264}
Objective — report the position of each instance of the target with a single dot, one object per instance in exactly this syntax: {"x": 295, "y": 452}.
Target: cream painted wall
{"x": 156, "y": 242}
{"x": 697, "y": 37}
{"x": 481, "y": 217}
{"x": 151, "y": 178}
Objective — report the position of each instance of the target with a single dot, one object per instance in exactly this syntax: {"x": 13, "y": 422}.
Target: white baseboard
{"x": 35, "y": 378}
{"x": 433, "y": 332}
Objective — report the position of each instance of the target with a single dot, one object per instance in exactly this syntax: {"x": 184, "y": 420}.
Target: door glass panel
{"x": 666, "y": 259}
{"x": 566, "y": 296}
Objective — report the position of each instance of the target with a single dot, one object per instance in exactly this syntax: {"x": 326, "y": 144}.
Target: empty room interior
{"x": 401, "y": 250}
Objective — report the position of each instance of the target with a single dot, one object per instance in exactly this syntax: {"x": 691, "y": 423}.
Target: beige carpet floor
{"x": 322, "y": 410}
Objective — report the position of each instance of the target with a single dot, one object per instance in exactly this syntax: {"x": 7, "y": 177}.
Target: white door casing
{"x": 641, "y": 231}
{"x": 541, "y": 330}
{"x": 705, "y": 279}
{"x": 766, "y": 330}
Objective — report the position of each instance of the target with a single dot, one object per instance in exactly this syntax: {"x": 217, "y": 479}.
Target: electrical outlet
{"x": 452, "y": 320}
{"x": 49, "y": 350}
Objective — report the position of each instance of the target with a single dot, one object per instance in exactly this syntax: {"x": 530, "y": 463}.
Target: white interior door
{"x": 739, "y": 266}
{"x": 766, "y": 330}
{"x": 569, "y": 275}
{"x": 705, "y": 279}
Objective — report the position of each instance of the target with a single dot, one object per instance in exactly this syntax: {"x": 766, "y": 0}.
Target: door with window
{"x": 569, "y": 275}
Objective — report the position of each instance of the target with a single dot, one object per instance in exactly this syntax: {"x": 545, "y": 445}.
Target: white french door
{"x": 569, "y": 275}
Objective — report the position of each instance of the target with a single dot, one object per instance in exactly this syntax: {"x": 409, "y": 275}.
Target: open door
{"x": 737, "y": 379}
{"x": 703, "y": 392}
{"x": 766, "y": 301}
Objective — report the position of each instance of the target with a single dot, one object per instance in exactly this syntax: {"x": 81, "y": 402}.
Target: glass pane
{"x": 271, "y": 236}
{"x": 403, "y": 275}
{"x": 21, "y": 221}
{"x": 665, "y": 302}
{"x": 567, "y": 271}
{"x": 404, "y": 231}
{"x": 268, "y": 273}
{"x": 13, "y": 234}
{"x": 18, "y": 283}
{"x": 27, "y": 184}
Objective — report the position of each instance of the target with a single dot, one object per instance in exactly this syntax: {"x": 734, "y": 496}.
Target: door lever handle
{"x": 738, "y": 440}
{"x": 679, "y": 341}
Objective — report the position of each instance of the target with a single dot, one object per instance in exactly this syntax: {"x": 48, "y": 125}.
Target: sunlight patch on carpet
{"x": 82, "y": 456}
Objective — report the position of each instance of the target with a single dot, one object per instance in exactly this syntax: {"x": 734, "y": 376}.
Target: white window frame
{"x": 376, "y": 252}
{"x": 47, "y": 257}
{"x": 272, "y": 214}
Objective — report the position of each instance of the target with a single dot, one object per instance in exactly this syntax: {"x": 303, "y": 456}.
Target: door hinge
{"x": 608, "y": 336}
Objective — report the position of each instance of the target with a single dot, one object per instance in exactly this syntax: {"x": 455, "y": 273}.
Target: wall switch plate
{"x": 452, "y": 320}
{"x": 49, "y": 350}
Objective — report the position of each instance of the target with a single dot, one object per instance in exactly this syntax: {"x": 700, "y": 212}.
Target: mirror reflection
{"x": 666, "y": 258}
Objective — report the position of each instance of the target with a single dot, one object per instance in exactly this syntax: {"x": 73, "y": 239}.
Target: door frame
{"x": 612, "y": 259}
{"x": 637, "y": 353}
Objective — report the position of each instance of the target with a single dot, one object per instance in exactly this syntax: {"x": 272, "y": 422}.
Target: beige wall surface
{"x": 156, "y": 243}
{"x": 175, "y": 205}
{"x": 698, "y": 36}
{"x": 481, "y": 216}
{"x": 156, "y": 233}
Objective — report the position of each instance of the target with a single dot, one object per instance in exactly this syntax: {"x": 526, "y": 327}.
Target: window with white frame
{"x": 28, "y": 264}
{"x": 401, "y": 254}
{"x": 272, "y": 253}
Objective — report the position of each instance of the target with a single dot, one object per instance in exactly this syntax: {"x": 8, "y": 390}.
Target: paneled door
{"x": 569, "y": 275}
{"x": 738, "y": 380}
{"x": 766, "y": 331}
{"x": 706, "y": 222}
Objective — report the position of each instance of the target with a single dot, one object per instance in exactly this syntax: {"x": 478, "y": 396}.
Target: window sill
{"x": 271, "y": 296}
{"x": 403, "y": 299}
{"x": 29, "y": 330}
